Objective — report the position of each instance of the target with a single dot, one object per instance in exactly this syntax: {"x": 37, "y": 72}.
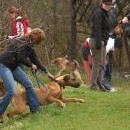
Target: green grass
{"x": 101, "y": 111}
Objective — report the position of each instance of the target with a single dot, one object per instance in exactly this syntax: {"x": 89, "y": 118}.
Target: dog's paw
{"x": 63, "y": 105}
{"x": 82, "y": 85}
{"x": 81, "y": 101}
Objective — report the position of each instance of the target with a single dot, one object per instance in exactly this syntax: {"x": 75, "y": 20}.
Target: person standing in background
{"x": 87, "y": 59}
{"x": 126, "y": 24}
{"x": 20, "y": 22}
{"x": 98, "y": 40}
{"x": 112, "y": 25}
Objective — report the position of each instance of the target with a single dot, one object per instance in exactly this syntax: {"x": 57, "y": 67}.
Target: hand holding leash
{"x": 50, "y": 76}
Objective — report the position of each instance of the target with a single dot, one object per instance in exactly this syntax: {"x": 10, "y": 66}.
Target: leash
{"x": 35, "y": 76}
{"x": 53, "y": 79}
{"x": 39, "y": 82}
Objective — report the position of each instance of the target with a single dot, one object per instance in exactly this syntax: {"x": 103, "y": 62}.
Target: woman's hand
{"x": 34, "y": 68}
{"x": 50, "y": 76}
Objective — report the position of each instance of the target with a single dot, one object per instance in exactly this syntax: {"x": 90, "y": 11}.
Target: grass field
{"x": 101, "y": 111}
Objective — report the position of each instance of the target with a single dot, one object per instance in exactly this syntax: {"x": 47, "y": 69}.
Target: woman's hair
{"x": 36, "y": 36}
{"x": 17, "y": 11}
{"x": 12, "y": 10}
{"x": 21, "y": 13}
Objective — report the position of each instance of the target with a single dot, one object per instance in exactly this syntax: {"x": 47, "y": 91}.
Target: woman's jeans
{"x": 9, "y": 78}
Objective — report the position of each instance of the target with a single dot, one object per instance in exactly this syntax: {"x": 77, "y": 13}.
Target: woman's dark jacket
{"x": 100, "y": 26}
{"x": 19, "y": 52}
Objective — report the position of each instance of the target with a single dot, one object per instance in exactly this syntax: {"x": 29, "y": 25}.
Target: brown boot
{"x": 1, "y": 119}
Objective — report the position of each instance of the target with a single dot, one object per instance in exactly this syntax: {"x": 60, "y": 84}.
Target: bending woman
{"x": 20, "y": 51}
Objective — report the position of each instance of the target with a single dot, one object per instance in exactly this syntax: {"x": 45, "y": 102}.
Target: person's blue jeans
{"x": 9, "y": 78}
{"x": 106, "y": 78}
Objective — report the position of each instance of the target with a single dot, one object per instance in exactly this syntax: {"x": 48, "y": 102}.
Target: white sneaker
{"x": 113, "y": 90}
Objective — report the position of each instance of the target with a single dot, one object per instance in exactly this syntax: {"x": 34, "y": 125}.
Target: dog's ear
{"x": 76, "y": 64}
{"x": 55, "y": 61}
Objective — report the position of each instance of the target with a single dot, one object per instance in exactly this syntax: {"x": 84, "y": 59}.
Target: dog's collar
{"x": 61, "y": 85}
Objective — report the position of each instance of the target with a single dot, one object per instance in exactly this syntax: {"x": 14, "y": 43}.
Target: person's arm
{"x": 34, "y": 59}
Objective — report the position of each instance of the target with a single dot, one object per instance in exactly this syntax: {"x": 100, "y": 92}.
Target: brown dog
{"x": 2, "y": 90}
{"x": 65, "y": 65}
{"x": 53, "y": 92}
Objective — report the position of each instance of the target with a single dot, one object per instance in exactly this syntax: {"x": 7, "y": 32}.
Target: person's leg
{"x": 106, "y": 70}
{"x": 109, "y": 66}
{"x": 21, "y": 77}
{"x": 105, "y": 79}
{"x": 110, "y": 69}
{"x": 101, "y": 67}
{"x": 87, "y": 69}
{"x": 9, "y": 85}
{"x": 106, "y": 84}
{"x": 94, "y": 73}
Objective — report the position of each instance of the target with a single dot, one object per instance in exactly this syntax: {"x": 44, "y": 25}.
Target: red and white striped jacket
{"x": 19, "y": 27}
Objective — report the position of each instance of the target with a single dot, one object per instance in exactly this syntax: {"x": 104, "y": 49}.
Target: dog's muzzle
{"x": 74, "y": 85}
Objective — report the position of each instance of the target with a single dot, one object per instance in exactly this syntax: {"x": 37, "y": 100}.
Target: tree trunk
{"x": 72, "y": 53}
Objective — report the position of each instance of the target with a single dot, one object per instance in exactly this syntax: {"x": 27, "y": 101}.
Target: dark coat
{"x": 112, "y": 19}
{"x": 19, "y": 52}
{"x": 100, "y": 26}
